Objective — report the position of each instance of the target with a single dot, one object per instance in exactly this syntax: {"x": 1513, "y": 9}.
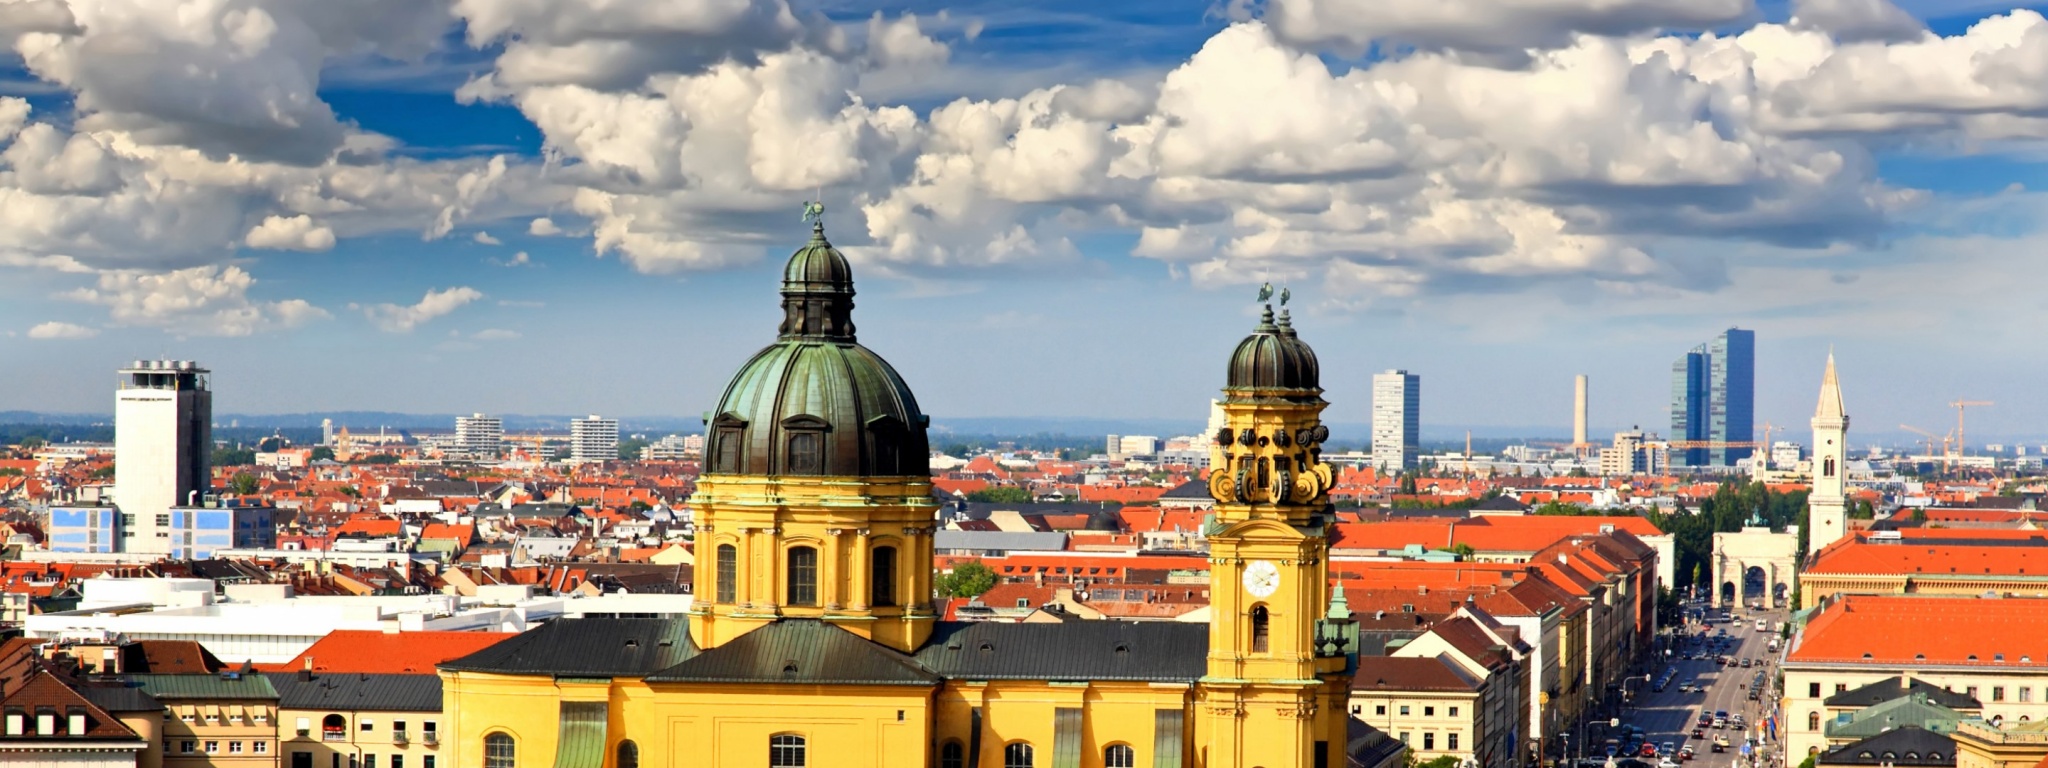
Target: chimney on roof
{"x": 306, "y": 674}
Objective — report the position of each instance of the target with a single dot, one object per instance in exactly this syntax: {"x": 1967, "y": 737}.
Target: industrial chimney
{"x": 1579, "y": 412}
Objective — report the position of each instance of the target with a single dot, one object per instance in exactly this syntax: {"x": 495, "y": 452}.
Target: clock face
{"x": 1261, "y": 577}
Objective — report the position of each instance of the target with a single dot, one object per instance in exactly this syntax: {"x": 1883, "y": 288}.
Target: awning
{"x": 581, "y": 743}
{"x": 1167, "y": 727}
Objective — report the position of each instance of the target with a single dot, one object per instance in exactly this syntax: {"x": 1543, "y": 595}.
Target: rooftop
{"x": 1868, "y": 629}
{"x": 375, "y": 652}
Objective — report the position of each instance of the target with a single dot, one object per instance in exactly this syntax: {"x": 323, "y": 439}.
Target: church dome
{"x": 1273, "y": 357}
{"x": 816, "y": 402}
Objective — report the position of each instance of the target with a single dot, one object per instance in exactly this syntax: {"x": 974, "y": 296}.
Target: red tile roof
{"x": 373, "y": 652}
{"x": 46, "y": 690}
{"x": 1868, "y": 629}
{"x": 1930, "y": 556}
{"x": 1392, "y": 673}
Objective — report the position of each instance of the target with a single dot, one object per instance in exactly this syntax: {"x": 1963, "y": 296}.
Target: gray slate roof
{"x": 1898, "y": 743}
{"x": 223, "y": 686}
{"x": 1893, "y": 687}
{"x": 1083, "y": 650}
{"x": 587, "y": 647}
{"x": 352, "y": 692}
{"x": 118, "y": 697}
{"x": 1007, "y": 541}
{"x": 799, "y": 651}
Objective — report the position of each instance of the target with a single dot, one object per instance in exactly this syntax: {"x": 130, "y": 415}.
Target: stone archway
{"x": 1755, "y": 551}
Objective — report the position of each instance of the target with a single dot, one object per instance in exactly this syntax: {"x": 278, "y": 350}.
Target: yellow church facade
{"x": 814, "y": 639}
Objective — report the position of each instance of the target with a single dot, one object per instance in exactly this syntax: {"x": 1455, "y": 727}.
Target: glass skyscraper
{"x": 1713, "y": 399}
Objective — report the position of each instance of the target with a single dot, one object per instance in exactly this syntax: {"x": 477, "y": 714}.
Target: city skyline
{"x": 393, "y": 203}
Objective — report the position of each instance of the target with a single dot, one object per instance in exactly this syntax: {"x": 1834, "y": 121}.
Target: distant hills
{"x": 1345, "y": 434}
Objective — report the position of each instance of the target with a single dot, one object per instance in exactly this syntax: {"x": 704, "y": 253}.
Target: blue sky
{"x": 1053, "y": 210}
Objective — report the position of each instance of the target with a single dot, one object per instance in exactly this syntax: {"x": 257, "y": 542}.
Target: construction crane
{"x": 1931, "y": 437}
{"x": 1960, "y": 405}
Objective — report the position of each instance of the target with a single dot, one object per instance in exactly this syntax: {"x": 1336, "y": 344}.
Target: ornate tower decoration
{"x": 816, "y": 496}
{"x": 1275, "y": 689}
{"x": 1827, "y": 505}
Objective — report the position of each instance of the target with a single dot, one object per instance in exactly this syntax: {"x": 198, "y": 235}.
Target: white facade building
{"x": 674, "y": 447}
{"x": 1396, "y": 419}
{"x": 479, "y": 435}
{"x": 163, "y": 443}
{"x": 593, "y": 439}
{"x": 1137, "y": 445}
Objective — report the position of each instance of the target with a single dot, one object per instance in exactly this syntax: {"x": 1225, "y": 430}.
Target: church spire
{"x": 1830, "y": 394}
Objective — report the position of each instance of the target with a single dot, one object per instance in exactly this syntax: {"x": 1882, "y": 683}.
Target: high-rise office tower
{"x": 1396, "y": 419}
{"x": 163, "y": 444}
{"x": 1827, "y": 505}
{"x": 1713, "y": 393}
{"x": 593, "y": 439}
{"x": 479, "y": 435}
{"x": 326, "y": 431}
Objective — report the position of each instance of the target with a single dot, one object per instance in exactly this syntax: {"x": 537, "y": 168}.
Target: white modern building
{"x": 479, "y": 435}
{"x": 1396, "y": 419}
{"x": 674, "y": 447}
{"x": 163, "y": 443}
{"x": 267, "y": 624}
{"x": 593, "y": 439}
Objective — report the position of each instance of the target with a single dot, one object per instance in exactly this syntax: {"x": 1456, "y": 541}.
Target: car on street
{"x": 1745, "y": 663}
{"x": 1667, "y": 763}
{"x": 1699, "y": 733}
{"x": 1720, "y": 743}
{"x": 1648, "y": 750}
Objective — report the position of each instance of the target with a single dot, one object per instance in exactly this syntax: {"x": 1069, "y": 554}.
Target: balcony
{"x": 431, "y": 739}
{"x": 398, "y": 738}
{"x": 331, "y": 735}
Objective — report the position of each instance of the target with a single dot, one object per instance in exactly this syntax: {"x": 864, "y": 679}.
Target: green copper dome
{"x": 816, "y": 402}
{"x": 1273, "y": 357}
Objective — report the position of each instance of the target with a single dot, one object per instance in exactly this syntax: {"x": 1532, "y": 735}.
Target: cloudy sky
{"x": 1056, "y": 208}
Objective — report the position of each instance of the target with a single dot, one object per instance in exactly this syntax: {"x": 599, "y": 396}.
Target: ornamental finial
{"x": 814, "y": 212}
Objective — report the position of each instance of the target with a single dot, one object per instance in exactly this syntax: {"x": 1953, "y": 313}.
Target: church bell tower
{"x": 1827, "y": 505}
{"x": 1275, "y": 690}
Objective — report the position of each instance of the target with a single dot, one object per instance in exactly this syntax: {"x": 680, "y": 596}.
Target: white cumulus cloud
{"x": 543, "y": 227}
{"x": 396, "y": 318}
{"x": 61, "y": 330}
{"x": 199, "y": 301}
{"x": 292, "y": 233}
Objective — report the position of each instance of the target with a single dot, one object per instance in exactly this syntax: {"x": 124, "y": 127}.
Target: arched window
{"x": 952, "y": 755}
{"x": 786, "y": 750}
{"x": 728, "y": 573}
{"x": 1828, "y": 467}
{"x": 629, "y": 754}
{"x": 334, "y": 728}
{"x": 1813, "y": 721}
{"x": 1017, "y": 755}
{"x": 729, "y": 443}
{"x": 883, "y": 577}
{"x": 806, "y": 453}
{"x": 500, "y": 751}
{"x": 1119, "y": 756}
{"x": 1261, "y": 630}
{"x": 803, "y": 576}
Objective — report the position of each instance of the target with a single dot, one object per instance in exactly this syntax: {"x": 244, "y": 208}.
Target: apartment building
{"x": 1970, "y": 654}
{"x": 225, "y": 720}
{"x": 363, "y": 720}
{"x": 1429, "y": 703}
{"x": 1491, "y": 653}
